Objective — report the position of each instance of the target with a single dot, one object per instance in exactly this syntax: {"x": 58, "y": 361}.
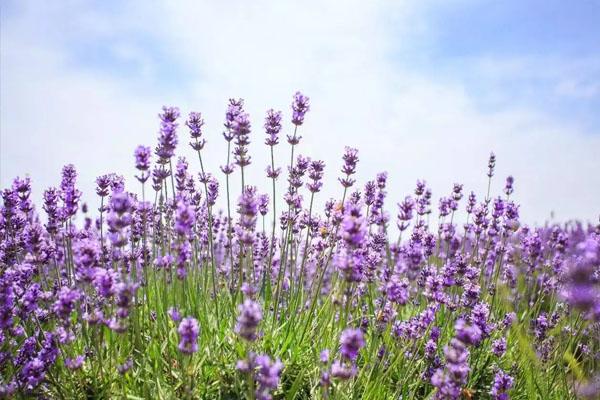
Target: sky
{"x": 424, "y": 90}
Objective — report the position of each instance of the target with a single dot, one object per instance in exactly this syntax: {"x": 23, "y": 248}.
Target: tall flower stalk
{"x": 195, "y": 123}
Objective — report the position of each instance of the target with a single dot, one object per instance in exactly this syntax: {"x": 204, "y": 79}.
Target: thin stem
{"x": 210, "y": 240}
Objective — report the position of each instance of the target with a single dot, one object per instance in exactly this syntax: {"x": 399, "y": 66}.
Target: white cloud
{"x": 578, "y": 88}
{"x": 414, "y": 126}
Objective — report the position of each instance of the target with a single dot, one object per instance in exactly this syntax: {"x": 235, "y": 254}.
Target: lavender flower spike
{"x": 300, "y": 107}
{"x": 188, "y": 334}
{"x": 250, "y": 315}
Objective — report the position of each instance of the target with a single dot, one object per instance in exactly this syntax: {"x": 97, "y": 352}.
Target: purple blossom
{"x": 450, "y": 379}
{"x": 213, "y": 191}
{"x": 499, "y": 347}
{"x": 234, "y": 108}
{"x": 263, "y": 204}
{"x": 324, "y": 356}
{"x": 343, "y": 371}
{"x": 250, "y": 315}
{"x": 167, "y": 138}
{"x": 351, "y": 341}
{"x": 508, "y": 186}
{"x": 174, "y": 314}
{"x": 69, "y": 194}
{"x": 66, "y": 302}
{"x": 315, "y": 173}
{"x": 502, "y": 384}
{"x": 122, "y": 369}
{"x": 267, "y": 376}
{"x": 350, "y": 158}
{"x": 142, "y": 158}
{"x": 468, "y": 334}
{"x": 188, "y": 334}
{"x": 300, "y": 107}
{"x": 248, "y": 205}
{"x": 195, "y": 124}
{"x": 241, "y": 130}
{"x": 353, "y": 226}
{"x": 184, "y": 219}
{"x": 272, "y": 127}
{"x": 74, "y": 363}
{"x": 491, "y": 165}
{"x": 33, "y": 373}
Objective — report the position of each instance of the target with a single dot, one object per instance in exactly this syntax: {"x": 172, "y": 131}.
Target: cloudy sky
{"x": 425, "y": 89}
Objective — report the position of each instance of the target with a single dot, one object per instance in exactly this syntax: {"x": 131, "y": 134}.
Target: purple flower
{"x": 105, "y": 281}
{"x": 167, "y": 138}
{"x": 343, "y": 371}
{"x": 264, "y": 371}
{"x": 351, "y": 341}
{"x": 491, "y": 165}
{"x": 581, "y": 288}
{"x": 315, "y": 173}
{"x": 74, "y": 363}
{"x": 174, "y": 314}
{"x": 181, "y": 175}
{"x": 49, "y": 350}
{"x": 472, "y": 202}
{"x": 66, "y": 302}
{"x": 405, "y": 213}
{"x": 51, "y": 196}
{"x": 125, "y": 292}
{"x": 248, "y": 205}
{"x": 267, "y": 376}
{"x": 397, "y": 290}
{"x": 33, "y": 373}
{"x": 479, "y": 316}
{"x": 159, "y": 174}
{"x": 184, "y": 219}
{"x": 300, "y": 107}
{"x": 370, "y": 192}
{"x": 119, "y": 218}
{"x": 69, "y": 194}
{"x": 125, "y": 367}
{"x": 508, "y": 187}
{"x": 213, "y": 191}
{"x": 350, "y": 158}
{"x": 188, "y": 334}
{"x": 450, "y": 380}
{"x": 499, "y": 347}
{"x": 241, "y": 129}
{"x": 354, "y": 228}
{"x": 501, "y": 385}
{"x": 234, "y": 109}
{"x": 250, "y": 315}
{"x": 195, "y": 123}
{"x": 272, "y": 127}
{"x": 273, "y": 173}
{"x": 324, "y": 356}
{"x": 227, "y": 169}
{"x": 509, "y": 319}
{"x": 7, "y": 390}
{"x": 468, "y": 334}
{"x": 142, "y": 158}
{"x": 263, "y": 204}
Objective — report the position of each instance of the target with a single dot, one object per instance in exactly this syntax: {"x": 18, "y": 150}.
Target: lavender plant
{"x": 164, "y": 296}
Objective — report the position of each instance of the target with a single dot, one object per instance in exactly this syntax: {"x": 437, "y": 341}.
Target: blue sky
{"x": 425, "y": 89}
{"x": 535, "y": 46}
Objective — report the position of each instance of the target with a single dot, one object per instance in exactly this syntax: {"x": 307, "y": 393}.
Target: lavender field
{"x": 186, "y": 284}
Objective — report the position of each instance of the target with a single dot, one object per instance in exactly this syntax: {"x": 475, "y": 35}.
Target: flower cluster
{"x": 449, "y": 298}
